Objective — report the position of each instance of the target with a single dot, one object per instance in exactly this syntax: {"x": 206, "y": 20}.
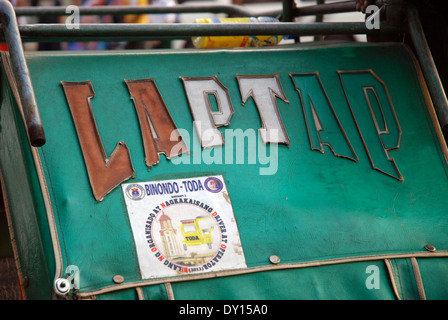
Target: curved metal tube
{"x": 21, "y": 74}
{"x": 124, "y": 10}
{"x": 291, "y": 10}
{"x": 429, "y": 68}
{"x": 110, "y": 31}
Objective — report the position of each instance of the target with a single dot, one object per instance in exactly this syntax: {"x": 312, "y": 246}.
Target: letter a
{"x": 373, "y": 20}
{"x": 104, "y": 173}
{"x": 159, "y": 132}
{"x": 373, "y": 280}
{"x": 321, "y": 121}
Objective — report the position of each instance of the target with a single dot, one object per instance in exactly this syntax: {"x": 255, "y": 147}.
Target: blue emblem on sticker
{"x": 213, "y": 184}
{"x": 135, "y": 192}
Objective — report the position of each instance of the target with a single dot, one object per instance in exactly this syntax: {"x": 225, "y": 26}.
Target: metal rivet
{"x": 430, "y": 248}
{"x": 274, "y": 259}
{"x": 62, "y": 286}
{"x": 118, "y": 278}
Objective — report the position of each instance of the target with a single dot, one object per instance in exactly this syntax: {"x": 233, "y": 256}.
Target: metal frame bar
{"x": 13, "y": 35}
{"x": 288, "y": 10}
{"x": 124, "y": 10}
{"x": 113, "y": 32}
{"x": 429, "y": 68}
{"x": 21, "y": 74}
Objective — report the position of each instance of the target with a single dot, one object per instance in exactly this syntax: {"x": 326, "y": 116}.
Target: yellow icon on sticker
{"x": 197, "y": 231}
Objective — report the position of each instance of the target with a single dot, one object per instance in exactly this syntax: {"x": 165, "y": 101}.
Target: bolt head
{"x": 274, "y": 259}
{"x": 62, "y": 286}
{"x": 118, "y": 279}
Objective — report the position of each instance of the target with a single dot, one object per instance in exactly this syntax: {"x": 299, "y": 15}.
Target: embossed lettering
{"x": 105, "y": 173}
{"x": 322, "y": 123}
{"x": 375, "y": 118}
{"x": 159, "y": 132}
{"x": 264, "y": 89}
{"x": 206, "y": 120}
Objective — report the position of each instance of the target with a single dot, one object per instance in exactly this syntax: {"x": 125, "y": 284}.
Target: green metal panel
{"x": 316, "y": 209}
{"x": 24, "y": 202}
{"x": 323, "y": 283}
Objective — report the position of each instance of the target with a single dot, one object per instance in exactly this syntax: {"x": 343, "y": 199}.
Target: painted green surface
{"x": 328, "y": 282}
{"x": 315, "y": 207}
{"x": 26, "y": 207}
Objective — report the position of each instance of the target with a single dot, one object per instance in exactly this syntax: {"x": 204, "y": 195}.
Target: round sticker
{"x": 135, "y": 192}
{"x": 213, "y": 184}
